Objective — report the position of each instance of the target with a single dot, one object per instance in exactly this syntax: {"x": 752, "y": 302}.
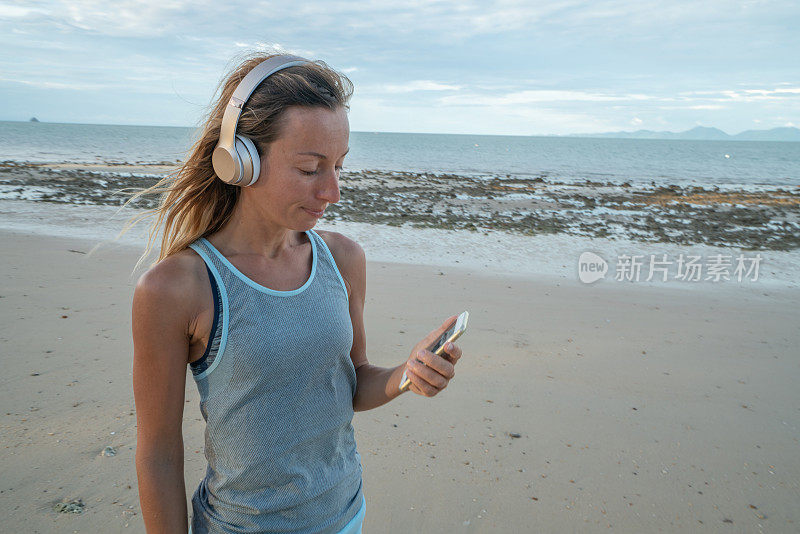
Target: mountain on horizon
{"x": 704, "y": 133}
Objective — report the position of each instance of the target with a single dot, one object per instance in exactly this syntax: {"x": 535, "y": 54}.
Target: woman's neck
{"x": 249, "y": 231}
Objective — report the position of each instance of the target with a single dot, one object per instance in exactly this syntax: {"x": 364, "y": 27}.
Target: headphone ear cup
{"x": 251, "y": 163}
{"x": 227, "y": 164}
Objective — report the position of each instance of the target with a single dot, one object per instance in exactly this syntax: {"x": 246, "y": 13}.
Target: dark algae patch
{"x": 763, "y": 219}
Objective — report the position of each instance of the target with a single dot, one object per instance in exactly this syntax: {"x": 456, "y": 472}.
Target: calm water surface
{"x": 556, "y": 158}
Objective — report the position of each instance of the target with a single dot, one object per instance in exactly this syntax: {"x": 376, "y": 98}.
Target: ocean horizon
{"x": 554, "y": 158}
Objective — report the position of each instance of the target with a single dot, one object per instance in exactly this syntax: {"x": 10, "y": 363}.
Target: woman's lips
{"x": 315, "y": 213}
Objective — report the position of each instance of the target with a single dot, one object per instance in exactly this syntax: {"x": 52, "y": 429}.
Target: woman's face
{"x": 300, "y": 170}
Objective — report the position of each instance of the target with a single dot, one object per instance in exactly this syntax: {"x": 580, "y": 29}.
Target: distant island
{"x": 33, "y": 119}
{"x": 703, "y": 133}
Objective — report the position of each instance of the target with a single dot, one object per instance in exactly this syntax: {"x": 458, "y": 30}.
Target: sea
{"x": 559, "y": 159}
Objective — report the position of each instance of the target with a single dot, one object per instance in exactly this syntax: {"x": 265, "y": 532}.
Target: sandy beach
{"x": 626, "y": 407}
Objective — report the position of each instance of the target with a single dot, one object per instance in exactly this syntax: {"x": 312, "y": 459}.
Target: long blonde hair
{"x": 194, "y": 202}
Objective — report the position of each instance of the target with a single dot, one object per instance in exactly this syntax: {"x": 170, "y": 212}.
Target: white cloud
{"x": 411, "y": 87}
{"x": 14, "y": 11}
{"x": 706, "y": 106}
{"x": 278, "y": 48}
{"x": 49, "y": 84}
{"x": 376, "y": 115}
{"x": 452, "y": 20}
{"x": 779, "y": 91}
{"x": 137, "y": 18}
{"x": 535, "y": 96}
{"x": 744, "y": 95}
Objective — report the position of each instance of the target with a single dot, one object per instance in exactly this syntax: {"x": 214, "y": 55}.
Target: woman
{"x": 268, "y": 314}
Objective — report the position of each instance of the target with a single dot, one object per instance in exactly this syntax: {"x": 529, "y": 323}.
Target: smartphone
{"x": 455, "y": 330}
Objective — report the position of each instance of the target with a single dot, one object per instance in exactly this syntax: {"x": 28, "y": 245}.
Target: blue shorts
{"x": 352, "y": 527}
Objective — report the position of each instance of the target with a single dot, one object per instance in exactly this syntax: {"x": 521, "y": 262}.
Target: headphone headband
{"x": 227, "y": 160}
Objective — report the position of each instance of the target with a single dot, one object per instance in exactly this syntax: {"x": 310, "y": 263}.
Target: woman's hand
{"x": 429, "y": 373}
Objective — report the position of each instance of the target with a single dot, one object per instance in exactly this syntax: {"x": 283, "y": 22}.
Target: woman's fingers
{"x": 436, "y": 363}
{"x": 453, "y": 351}
{"x": 419, "y": 385}
{"x": 431, "y": 376}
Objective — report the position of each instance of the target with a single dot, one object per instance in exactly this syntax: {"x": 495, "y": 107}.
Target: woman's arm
{"x": 161, "y": 344}
{"x": 378, "y": 385}
{"x": 375, "y": 385}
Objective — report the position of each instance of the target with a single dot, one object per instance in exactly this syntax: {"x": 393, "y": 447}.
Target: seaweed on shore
{"x": 764, "y": 219}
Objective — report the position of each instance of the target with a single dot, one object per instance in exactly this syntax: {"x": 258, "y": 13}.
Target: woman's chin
{"x": 311, "y": 218}
{"x": 305, "y": 225}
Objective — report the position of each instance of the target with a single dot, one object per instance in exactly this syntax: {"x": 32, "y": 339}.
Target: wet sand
{"x": 609, "y": 407}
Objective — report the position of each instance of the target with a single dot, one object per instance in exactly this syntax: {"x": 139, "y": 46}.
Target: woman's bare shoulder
{"x": 177, "y": 280}
{"x": 340, "y": 245}
{"x": 349, "y": 258}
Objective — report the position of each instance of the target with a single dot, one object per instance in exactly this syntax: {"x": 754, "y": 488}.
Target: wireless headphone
{"x": 235, "y": 158}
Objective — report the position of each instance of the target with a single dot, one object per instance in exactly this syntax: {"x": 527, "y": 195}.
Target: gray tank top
{"x": 276, "y": 391}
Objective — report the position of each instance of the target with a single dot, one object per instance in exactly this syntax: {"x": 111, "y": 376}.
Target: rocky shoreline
{"x": 753, "y": 219}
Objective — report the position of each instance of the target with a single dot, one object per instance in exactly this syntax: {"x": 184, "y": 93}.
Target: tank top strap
{"x": 326, "y": 262}
{"x": 212, "y": 259}
{"x": 218, "y": 265}
{"x": 219, "y": 330}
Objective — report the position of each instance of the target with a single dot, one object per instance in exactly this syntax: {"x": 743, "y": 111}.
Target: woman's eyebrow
{"x": 320, "y": 156}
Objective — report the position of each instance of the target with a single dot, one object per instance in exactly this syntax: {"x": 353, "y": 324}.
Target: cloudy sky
{"x": 446, "y": 66}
